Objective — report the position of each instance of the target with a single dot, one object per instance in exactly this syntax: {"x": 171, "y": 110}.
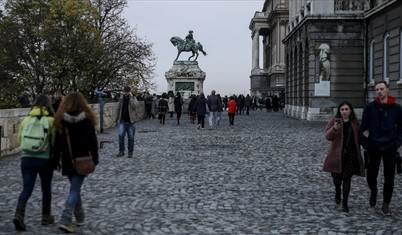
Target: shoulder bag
{"x": 82, "y": 165}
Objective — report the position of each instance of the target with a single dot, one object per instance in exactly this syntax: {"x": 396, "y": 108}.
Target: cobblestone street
{"x": 261, "y": 176}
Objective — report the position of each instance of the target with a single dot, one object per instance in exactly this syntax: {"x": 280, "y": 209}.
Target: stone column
{"x": 256, "y": 50}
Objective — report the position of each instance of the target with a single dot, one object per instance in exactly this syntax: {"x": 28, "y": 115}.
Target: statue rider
{"x": 189, "y": 39}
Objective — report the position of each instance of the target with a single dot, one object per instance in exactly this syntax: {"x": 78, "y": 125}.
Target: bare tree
{"x": 129, "y": 59}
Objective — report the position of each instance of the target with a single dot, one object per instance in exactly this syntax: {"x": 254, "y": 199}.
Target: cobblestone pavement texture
{"x": 261, "y": 176}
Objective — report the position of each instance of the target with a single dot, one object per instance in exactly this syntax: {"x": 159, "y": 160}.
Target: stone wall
{"x": 10, "y": 120}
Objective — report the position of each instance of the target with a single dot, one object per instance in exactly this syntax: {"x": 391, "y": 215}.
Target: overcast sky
{"x": 220, "y": 26}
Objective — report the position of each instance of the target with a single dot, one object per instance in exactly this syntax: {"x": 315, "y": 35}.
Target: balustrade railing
{"x": 351, "y": 6}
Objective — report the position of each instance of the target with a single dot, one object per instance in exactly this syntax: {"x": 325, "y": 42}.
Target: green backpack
{"x": 35, "y": 135}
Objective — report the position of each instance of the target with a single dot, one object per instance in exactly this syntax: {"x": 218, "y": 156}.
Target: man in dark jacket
{"x": 381, "y": 136}
{"x": 215, "y": 106}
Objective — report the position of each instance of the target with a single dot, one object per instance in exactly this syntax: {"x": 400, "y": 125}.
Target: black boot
{"x": 337, "y": 194}
{"x": 345, "y": 207}
{"x": 19, "y": 217}
{"x": 47, "y": 219}
{"x": 346, "y": 190}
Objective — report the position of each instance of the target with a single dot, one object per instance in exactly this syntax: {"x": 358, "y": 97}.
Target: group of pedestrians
{"x": 380, "y": 135}
{"x": 75, "y": 116}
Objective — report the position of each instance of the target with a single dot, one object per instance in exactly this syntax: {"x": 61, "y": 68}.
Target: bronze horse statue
{"x": 182, "y": 45}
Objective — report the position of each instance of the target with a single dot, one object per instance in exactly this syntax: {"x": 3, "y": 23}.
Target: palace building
{"x": 334, "y": 50}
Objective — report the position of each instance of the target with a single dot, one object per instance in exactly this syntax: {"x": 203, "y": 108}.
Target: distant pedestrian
{"x": 225, "y": 102}
{"x": 344, "y": 157}
{"x": 178, "y": 106}
{"x": 36, "y": 163}
{"x": 126, "y": 118}
{"x": 231, "y": 110}
{"x": 76, "y": 119}
{"x": 240, "y": 104}
{"x": 247, "y": 104}
{"x": 162, "y": 108}
{"x": 215, "y": 105}
{"x": 155, "y": 100}
{"x": 268, "y": 104}
{"x": 171, "y": 103}
{"x": 381, "y": 136}
{"x": 57, "y": 97}
{"x": 148, "y": 105}
{"x": 192, "y": 114}
{"x": 254, "y": 102}
{"x": 200, "y": 107}
{"x": 275, "y": 103}
{"x": 220, "y": 110}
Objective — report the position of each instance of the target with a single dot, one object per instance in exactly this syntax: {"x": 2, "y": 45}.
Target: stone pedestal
{"x": 185, "y": 77}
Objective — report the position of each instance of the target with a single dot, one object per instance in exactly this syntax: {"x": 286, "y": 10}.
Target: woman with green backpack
{"x": 36, "y": 137}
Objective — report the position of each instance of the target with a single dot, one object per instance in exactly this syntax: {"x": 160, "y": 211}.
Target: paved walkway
{"x": 261, "y": 176}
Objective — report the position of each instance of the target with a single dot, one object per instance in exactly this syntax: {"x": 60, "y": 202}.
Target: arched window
{"x": 371, "y": 62}
{"x": 386, "y": 58}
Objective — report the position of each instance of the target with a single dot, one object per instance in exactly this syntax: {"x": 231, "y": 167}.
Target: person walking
{"x": 225, "y": 102}
{"x": 154, "y": 105}
{"x": 162, "y": 108}
{"x": 126, "y": 118}
{"x": 219, "y": 112}
{"x": 191, "y": 112}
{"x": 381, "y": 136}
{"x": 148, "y": 105}
{"x": 231, "y": 110}
{"x": 275, "y": 103}
{"x": 240, "y": 104}
{"x": 215, "y": 105}
{"x": 344, "y": 156}
{"x": 76, "y": 119}
{"x": 171, "y": 103}
{"x": 178, "y": 106}
{"x": 247, "y": 104}
{"x": 200, "y": 107}
{"x": 36, "y": 163}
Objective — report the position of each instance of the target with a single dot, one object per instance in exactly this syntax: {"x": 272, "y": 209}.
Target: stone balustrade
{"x": 10, "y": 120}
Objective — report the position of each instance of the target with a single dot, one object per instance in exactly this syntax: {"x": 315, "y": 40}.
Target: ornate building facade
{"x": 268, "y": 28}
{"x": 336, "y": 49}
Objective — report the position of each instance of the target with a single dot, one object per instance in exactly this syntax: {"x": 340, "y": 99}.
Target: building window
{"x": 371, "y": 63}
{"x": 386, "y": 58}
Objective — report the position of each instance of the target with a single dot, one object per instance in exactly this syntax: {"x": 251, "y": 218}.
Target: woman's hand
{"x": 337, "y": 125}
{"x": 366, "y": 133}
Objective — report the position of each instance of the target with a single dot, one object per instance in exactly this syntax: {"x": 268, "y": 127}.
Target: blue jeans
{"x": 30, "y": 168}
{"x": 75, "y": 188}
{"x": 130, "y": 129}
{"x": 212, "y": 116}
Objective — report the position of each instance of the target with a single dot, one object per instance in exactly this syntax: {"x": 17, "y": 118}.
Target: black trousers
{"x": 200, "y": 119}
{"x": 389, "y": 159}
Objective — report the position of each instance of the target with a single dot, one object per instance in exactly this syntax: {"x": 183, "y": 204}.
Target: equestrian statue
{"x": 187, "y": 45}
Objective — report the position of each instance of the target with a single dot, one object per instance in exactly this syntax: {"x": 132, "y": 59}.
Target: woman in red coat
{"x": 344, "y": 157}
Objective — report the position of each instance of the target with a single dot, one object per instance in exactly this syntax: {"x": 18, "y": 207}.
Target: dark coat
{"x": 333, "y": 162}
{"x": 178, "y": 104}
{"x": 214, "y": 103}
{"x": 200, "y": 106}
{"x": 384, "y": 123}
{"x": 83, "y": 141}
{"x": 191, "y": 106}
